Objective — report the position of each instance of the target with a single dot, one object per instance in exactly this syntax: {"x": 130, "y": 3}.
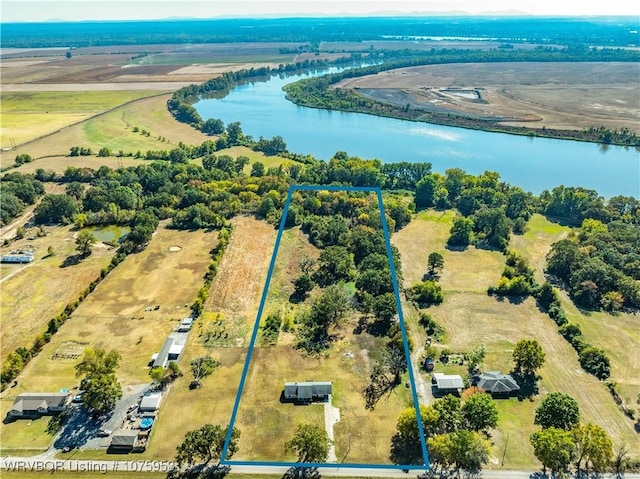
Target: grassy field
{"x": 361, "y": 436}
{"x": 113, "y": 130}
{"x": 470, "y": 317}
{"x": 235, "y": 294}
{"x": 114, "y": 317}
{"x": 59, "y": 164}
{"x": 27, "y": 116}
{"x": 35, "y": 293}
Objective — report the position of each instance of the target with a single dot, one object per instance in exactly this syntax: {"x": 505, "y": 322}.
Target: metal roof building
{"x": 308, "y": 391}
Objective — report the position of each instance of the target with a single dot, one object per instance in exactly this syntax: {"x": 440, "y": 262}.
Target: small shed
{"x": 308, "y": 391}
{"x": 151, "y": 402}
{"x": 448, "y": 383}
{"x": 124, "y": 439}
{"x": 497, "y": 384}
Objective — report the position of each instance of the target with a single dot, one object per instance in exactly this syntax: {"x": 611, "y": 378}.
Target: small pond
{"x": 109, "y": 234}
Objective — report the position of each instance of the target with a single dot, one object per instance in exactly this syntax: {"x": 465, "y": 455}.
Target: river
{"x": 534, "y": 164}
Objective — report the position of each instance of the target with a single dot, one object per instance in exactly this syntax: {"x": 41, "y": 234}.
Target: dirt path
{"x": 7, "y": 232}
{"x": 331, "y": 417}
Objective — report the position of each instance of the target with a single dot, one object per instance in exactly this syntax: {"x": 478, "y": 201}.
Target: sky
{"x": 43, "y": 10}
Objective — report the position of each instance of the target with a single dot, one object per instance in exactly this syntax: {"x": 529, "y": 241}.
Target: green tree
{"x": 441, "y": 450}
{"x": 334, "y": 264}
{"x": 406, "y": 447}
{"x": 479, "y": 412}
{"x": 435, "y": 264}
{"x": 84, "y": 241}
{"x": 554, "y": 448}
{"x": 594, "y": 446}
{"x": 101, "y": 392}
{"x": 476, "y": 357}
{"x": 558, "y": 410}
{"x": 206, "y": 444}
{"x": 427, "y": 293}
{"x": 213, "y": 126}
{"x": 595, "y": 361}
{"x": 257, "y": 169}
{"x": 97, "y": 362}
{"x": 426, "y": 189}
{"x": 55, "y": 209}
{"x": 202, "y": 367}
{"x": 528, "y": 357}
{"x": 20, "y": 232}
{"x": 302, "y": 284}
{"x": 461, "y": 232}
{"x": 450, "y": 417}
{"x": 310, "y": 443}
{"x": 469, "y": 450}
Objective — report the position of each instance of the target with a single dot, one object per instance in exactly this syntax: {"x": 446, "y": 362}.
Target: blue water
{"x": 535, "y": 164}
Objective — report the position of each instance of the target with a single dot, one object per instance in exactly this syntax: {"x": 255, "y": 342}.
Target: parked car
{"x": 77, "y": 398}
{"x": 133, "y": 407}
{"x": 104, "y": 432}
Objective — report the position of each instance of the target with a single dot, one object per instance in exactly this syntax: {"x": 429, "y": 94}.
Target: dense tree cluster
{"x": 452, "y": 430}
{"x": 101, "y": 389}
{"x": 563, "y": 440}
{"x": 18, "y": 191}
{"x": 600, "y": 265}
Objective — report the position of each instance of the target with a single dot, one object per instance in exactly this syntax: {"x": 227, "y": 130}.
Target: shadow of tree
{"x": 302, "y": 473}
{"x": 72, "y": 260}
{"x": 200, "y": 471}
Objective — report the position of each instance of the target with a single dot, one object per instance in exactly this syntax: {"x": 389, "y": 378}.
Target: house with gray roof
{"x": 497, "y": 384}
{"x": 38, "y": 404}
{"x": 308, "y": 391}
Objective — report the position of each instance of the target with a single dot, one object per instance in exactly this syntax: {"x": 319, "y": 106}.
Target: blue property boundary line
{"x": 256, "y": 328}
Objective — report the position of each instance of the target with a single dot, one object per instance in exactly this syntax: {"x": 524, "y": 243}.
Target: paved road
{"x": 45, "y": 463}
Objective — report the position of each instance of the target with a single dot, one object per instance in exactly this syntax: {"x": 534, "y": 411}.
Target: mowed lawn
{"x": 114, "y": 130}
{"x": 33, "y": 294}
{"x": 114, "y": 317}
{"x": 470, "y": 317}
{"x": 29, "y": 115}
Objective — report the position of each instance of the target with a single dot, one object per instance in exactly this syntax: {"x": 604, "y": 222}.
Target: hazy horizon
{"x": 97, "y": 10}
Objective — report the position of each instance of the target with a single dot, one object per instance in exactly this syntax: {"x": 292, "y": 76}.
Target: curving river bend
{"x": 534, "y": 164}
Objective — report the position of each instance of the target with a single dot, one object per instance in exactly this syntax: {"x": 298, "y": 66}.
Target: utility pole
{"x": 505, "y": 449}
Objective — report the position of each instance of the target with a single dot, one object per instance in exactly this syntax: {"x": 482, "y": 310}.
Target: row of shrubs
{"x": 593, "y": 360}
{"x": 18, "y": 359}
{"x": 224, "y": 237}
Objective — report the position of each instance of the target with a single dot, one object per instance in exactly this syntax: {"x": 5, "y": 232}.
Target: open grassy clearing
{"x": 470, "y": 317}
{"x": 113, "y": 317}
{"x": 26, "y": 116}
{"x": 36, "y": 292}
{"x": 618, "y": 335}
{"x": 114, "y": 130}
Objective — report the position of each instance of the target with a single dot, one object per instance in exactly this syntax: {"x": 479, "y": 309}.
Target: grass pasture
{"x": 470, "y": 317}
{"x": 113, "y": 130}
{"x": 30, "y": 115}
{"x": 34, "y": 293}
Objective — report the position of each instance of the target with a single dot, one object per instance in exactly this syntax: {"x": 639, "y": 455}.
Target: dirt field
{"x": 554, "y": 95}
{"x": 35, "y": 293}
{"x": 470, "y": 317}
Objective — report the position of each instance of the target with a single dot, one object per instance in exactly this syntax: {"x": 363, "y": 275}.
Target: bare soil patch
{"x": 241, "y": 276}
{"x": 554, "y": 95}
